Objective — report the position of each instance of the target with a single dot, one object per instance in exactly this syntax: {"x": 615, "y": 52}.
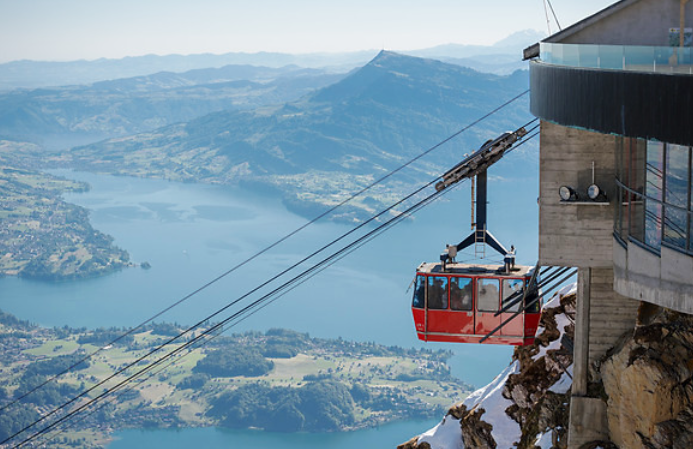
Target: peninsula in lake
{"x": 42, "y": 236}
{"x": 279, "y": 380}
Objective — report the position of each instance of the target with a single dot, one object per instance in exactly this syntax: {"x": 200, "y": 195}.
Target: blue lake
{"x": 387, "y": 436}
{"x": 192, "y": 233}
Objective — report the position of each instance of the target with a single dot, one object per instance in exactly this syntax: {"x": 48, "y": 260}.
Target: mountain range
{"x": 335, "y": 139}
{"x": 33, "y": 74}
{"x": 60, "y": 117}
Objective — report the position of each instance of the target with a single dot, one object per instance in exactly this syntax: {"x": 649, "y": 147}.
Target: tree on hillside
{"x": 234, "y": 361}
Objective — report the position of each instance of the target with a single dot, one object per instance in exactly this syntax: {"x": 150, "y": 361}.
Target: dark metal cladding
{"x": 651, "y": 106}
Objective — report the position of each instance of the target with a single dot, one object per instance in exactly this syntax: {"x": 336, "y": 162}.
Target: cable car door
{"x": 487, "y": 304}
{"x": 438, "y": 316}
{"x": 461, "y": 305}
{"x": 515, "y": 327}
{"x": 418, "y": 306}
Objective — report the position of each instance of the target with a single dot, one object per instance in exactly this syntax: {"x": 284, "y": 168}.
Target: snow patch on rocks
{"x": 505, "y": 430}
{"x": 445, "y": 435}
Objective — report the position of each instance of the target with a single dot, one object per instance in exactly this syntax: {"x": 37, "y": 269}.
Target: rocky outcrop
{"x": 540, "y": 391}
{"x": 648, "y": 382}
{"x": 526, "y": 405}
{"x": 475, "y": 431}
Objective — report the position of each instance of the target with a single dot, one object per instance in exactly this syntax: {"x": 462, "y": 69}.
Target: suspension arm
{"x": 484, "y": 157}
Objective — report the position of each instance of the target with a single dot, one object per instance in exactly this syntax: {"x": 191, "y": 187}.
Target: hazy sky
{"x": 60, "y": 30}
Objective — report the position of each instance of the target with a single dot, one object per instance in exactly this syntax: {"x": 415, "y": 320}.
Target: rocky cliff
{"x": 647, "y": 383}
{"x": 527, "y": 404}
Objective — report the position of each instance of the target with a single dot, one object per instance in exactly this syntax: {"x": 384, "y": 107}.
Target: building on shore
{"x": 614, "y": 94}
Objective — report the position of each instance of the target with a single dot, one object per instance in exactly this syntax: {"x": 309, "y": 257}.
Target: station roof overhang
{"x": 533, "y": 50}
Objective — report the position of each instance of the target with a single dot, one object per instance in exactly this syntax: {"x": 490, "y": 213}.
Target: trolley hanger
{"x": 476, "y": 165}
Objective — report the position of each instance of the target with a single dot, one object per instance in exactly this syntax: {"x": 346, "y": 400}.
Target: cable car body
{"x": 463, "y": 303}
{"x": 459, "y": 303}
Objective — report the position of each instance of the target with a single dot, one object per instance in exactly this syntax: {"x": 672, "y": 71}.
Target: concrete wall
{"x": 575, "y": 234}
{"x": 645, "y": 22}
{"x": 611, "y": 314}
{"x": 665, "y": 280}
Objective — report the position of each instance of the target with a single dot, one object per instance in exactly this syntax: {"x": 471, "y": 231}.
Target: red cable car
{"x": 462, "y": 303}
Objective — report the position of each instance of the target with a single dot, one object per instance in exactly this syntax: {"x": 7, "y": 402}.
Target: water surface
{"x": 190, "y": 234}
{"x": 385, "y": 437}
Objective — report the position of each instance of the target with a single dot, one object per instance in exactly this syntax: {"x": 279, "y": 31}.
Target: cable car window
{"x": 437, "y": 292}
{"x": 419, "y": 300}
{"x": 460, "y": 293}
{"x": 512, "y": 293}
{"x": 487, "y": 295}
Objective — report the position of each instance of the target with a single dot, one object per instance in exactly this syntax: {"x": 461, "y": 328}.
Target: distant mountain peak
{"x": 383, "y": 79}
{"x": 386, "y": 55}
{"x": 521, "y": 39}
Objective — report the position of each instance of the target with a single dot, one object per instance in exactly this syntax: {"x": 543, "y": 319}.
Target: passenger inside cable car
{"x": 460, "y": 293}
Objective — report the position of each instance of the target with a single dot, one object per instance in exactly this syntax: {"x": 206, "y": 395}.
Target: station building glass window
{"x": 654, "y": 184}
{"x": 655, "y": 194}
{"x": 676, "y": 226}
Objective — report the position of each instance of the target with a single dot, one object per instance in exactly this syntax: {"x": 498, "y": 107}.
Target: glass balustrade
{"x": 619, "y": 57}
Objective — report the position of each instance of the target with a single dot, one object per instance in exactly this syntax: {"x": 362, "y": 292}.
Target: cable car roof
{"x": 474, "y": 270}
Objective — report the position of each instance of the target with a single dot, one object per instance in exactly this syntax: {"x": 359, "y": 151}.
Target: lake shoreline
{"x": 45, "y": 238}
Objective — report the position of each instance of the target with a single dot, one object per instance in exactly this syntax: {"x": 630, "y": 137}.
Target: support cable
{"x": 546, "y": 13}
{"x": 263, "y": 251}
{"x": 216, "y": 327}
{"x": 138, "y": 381}
{"x": 210, "y": 337}
{"x": 219, "y": 327}
{"x": 210, "y": 317}
{"x": 529, "y": 304}
{"x": 519, "y": 296}
{"x": 554, "y": 15}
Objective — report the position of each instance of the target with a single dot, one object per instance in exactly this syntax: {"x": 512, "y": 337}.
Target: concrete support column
{"x": 587, "y": 415}
{"x": 588, "y": 422}
{"x": 581, "y": 346}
